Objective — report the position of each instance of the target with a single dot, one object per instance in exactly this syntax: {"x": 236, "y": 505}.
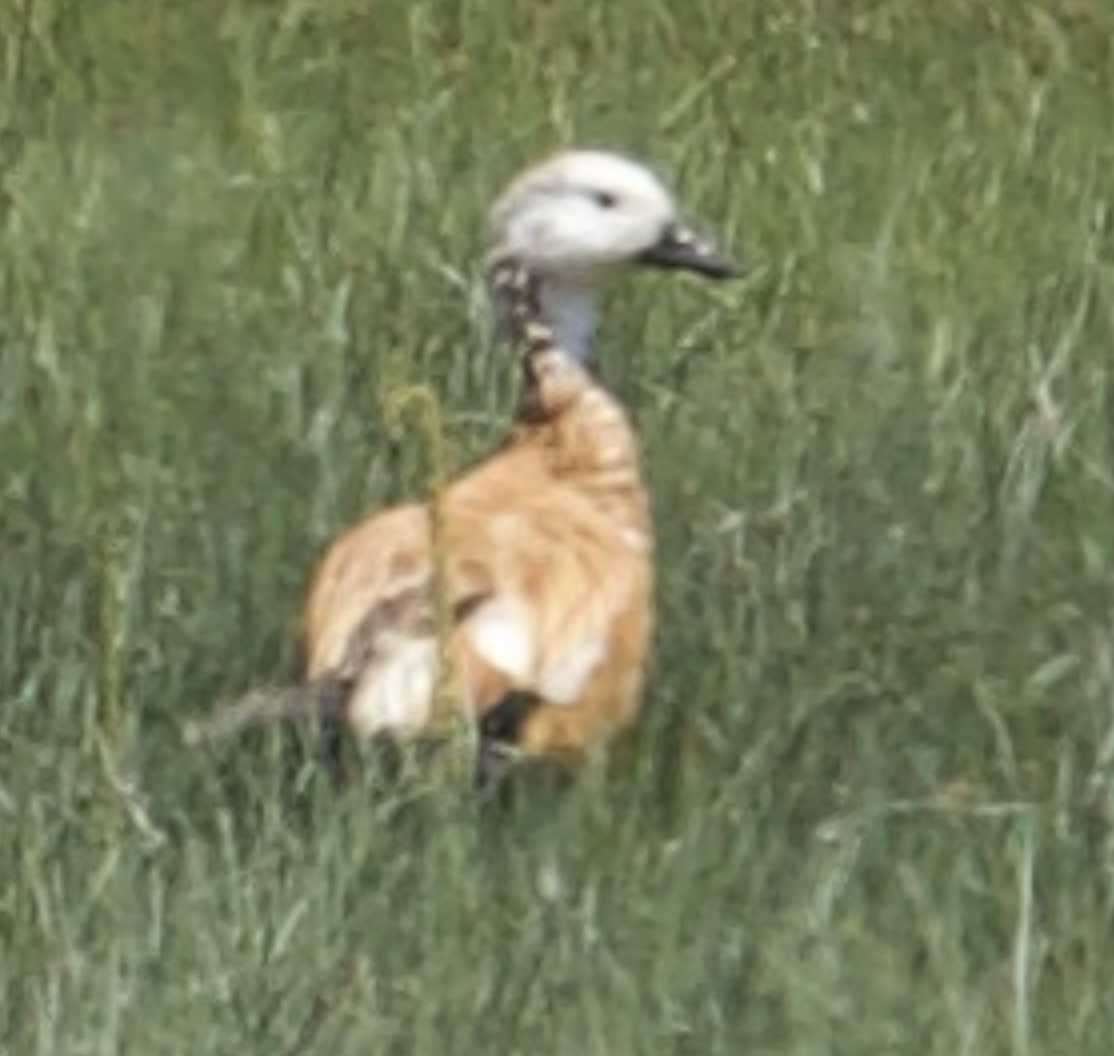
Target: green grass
{"x": 871, "y": 807}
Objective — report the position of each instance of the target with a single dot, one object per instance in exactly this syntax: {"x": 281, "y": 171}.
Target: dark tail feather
{"x": 324, "y": 700}
{"x": 499, "y": 730}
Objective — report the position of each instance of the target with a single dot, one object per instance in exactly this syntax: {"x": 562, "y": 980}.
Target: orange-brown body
{"x": 522, "y": 594}
{"x": 544, "y": 557}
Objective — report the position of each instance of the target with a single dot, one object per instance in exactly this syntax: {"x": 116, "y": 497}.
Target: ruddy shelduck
{"x": 521, "y": 595}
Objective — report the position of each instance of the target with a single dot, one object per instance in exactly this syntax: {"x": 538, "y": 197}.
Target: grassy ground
{"x": 871, "y": 809}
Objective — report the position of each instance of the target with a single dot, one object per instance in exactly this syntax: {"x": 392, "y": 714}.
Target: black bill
{"x": 680, "y": 248}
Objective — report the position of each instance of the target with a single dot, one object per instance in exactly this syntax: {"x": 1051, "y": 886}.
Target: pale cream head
{"x": 584, "y": 212}
{"x": 578, "y": 217}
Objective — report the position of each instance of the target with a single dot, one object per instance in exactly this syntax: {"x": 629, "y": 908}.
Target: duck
{"x": 520, "y": 596}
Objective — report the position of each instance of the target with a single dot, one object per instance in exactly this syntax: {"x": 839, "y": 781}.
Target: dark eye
{"x": 605, "y": 200}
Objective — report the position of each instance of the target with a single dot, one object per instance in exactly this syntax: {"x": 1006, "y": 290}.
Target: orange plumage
{"x": 547, "y": 570}
{"x": 522, "y": 595}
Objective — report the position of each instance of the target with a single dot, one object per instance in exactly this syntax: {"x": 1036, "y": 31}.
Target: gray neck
{"x": 572, "y": 311}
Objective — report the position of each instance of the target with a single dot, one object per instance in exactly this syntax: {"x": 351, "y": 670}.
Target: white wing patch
{"x": 563, "y": 679}
{"x": 396, "y": 695}
{"x": 501, "y": 635}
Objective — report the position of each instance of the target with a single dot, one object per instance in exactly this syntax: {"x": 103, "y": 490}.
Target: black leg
{"x": 333, "y": 740}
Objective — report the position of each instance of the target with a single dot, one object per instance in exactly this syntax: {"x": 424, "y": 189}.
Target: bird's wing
{"x": 529, "y": 599}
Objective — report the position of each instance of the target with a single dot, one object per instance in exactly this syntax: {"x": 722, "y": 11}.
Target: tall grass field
{"x": 870, "y": 807}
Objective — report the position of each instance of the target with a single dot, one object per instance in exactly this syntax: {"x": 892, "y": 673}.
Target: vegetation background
{"x": 871, "y": 808}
